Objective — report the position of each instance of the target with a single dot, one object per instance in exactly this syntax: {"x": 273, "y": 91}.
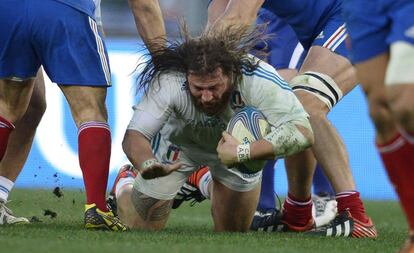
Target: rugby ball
{"x": 248, "y": 125}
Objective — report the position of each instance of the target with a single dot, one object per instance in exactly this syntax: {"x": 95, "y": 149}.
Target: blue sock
{"x": 267, "y": 193}
{"x": 321, "y": 183}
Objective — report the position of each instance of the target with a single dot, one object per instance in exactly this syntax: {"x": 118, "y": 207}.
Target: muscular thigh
{"x": 86, "y": 103}
{"x": 233, "y": 210}
{"x": 324, "y": 78}
{"x": 69, "y": 63}
{"x": 336, "y": 66}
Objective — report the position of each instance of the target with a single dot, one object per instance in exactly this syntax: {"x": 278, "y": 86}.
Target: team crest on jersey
{"x": 173, "y": 153}
{"x": 236, "y": 100}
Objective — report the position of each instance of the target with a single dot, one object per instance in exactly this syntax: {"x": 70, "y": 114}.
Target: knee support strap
{"x": 321, "y": 85}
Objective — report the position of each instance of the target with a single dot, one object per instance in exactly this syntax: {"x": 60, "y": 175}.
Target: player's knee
{"x": 13, "y": 115}
{"x": 403, "y": 111}
{"x": 150, "y": 213}
{"x": 400, "y": 83}
{"x": 380, "y": 113}
{"x": 316, "y": 108}
{"x": 317, "y": 92}
{"x": 35, "y": 111}
{"x": 125, "y": 209}
{"x": 91, "y": 112}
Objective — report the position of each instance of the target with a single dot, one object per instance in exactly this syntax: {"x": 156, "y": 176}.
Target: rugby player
{"x": 382, "y": 49}
{"x": 325, "y": 76}
{"x": 191, "y": 92}
{"x": 83, "y": 78}
{"x": 284, "y": 53}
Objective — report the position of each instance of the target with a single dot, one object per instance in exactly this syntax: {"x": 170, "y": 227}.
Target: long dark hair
{"x": 202, "y": 55}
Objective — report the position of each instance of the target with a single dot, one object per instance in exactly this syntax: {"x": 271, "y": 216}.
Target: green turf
{"x": 189, "y": 230}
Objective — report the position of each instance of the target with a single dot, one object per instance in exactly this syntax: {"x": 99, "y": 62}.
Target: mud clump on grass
{"x": 50, "y": 213}
{"x": 58, "y": 192}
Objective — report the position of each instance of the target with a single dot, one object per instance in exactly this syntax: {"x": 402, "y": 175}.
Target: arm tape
{"x": 287, "y": 140}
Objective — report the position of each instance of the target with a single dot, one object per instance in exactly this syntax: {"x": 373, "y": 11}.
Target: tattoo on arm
{"x": 150, "y": 209}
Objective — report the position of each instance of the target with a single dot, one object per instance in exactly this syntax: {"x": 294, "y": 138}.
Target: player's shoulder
{"x": 261, "y": 74}
{"x": 170, "y": 81}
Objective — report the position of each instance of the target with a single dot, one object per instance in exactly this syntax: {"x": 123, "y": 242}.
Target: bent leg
{"x": 146, "y": 204}
{"x": 328, "y": 148}
{"x": 21, "y": 139}
{"x": 139, "y": 211}
{"x": 397, "y": 151}
{"x": 332, "y": 76}
{"x": 14, "y": 99}
{"x": 232, "y": 210}
{"x": 371, "y": 75}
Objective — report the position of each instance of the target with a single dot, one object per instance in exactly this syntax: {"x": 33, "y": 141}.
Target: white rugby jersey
{"x": 169, "y": 102}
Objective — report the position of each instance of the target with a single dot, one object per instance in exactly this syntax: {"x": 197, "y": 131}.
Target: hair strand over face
{"x": 202, "y": 55}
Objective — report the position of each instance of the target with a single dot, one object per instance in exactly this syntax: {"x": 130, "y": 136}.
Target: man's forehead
{"x": 217, "y": 73}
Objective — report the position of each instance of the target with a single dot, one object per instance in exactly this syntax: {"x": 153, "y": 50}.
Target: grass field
{"x": 189, "y": 230}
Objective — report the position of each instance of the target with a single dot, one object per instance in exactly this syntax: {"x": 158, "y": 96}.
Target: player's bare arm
{"x": 227, "y": 13}
{"x": 149, "y": 21}
{"x": 287, "y": 139}
{"x": 138, "y": 150}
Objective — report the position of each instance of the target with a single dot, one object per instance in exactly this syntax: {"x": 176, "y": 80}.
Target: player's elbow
{"x": 126, "y": 143}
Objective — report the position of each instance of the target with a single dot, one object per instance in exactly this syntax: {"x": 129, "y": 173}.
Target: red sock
{"x": 197, "y": 175}
{"x": 6, "y": 128}
{"x": 350, "y": 200}
{"x": 398, "y": 158}
{"x": 94, "y": 139}
{"x": 297, "y": 212}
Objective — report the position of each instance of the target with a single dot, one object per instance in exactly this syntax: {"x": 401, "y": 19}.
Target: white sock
{"x": 122, "y": 183}
{"x": 6, "y": 186}
{"x": 205, "y": 181}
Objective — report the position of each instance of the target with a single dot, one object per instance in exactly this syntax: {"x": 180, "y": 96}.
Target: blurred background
{"x": 119, "y": 22}
{"x": 53, "y": 160}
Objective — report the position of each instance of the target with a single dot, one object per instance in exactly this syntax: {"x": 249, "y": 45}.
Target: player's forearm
{"x": 137, "y": 148}
{"x": 236, "y": 13}
{"x": 287, "y": 139}
{"x": 149, "y": 21}
{"x": 215, "y": 10}
{"x": 261, "y": 150}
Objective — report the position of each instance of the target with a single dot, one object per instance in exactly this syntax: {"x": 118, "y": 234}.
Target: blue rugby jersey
{"x": 86, "y": 6}
{"x": 306, "y": 17}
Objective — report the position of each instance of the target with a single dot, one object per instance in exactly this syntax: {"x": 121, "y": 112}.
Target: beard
{"x": 214, "y": 108}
